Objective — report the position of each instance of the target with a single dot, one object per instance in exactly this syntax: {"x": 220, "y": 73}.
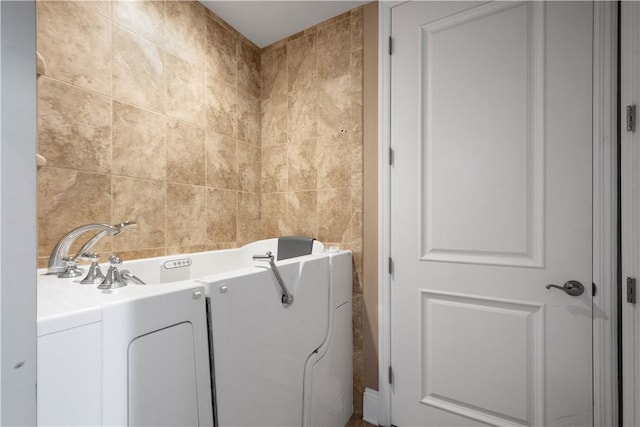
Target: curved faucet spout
{"x": 86, "y": 248}
{"x": 60, "y": 254}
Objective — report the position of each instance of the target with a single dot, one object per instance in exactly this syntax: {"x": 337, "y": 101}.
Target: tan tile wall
{"x": 159, "y": 112}
{"x": 312, "y": 146}
{"x": 147, "y": 111}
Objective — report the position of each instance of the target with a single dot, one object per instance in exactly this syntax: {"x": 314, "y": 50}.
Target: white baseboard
{"x": 370, "y": 406}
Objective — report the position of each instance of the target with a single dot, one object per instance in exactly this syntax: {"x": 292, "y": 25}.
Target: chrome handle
{"x": 572, "y": 287}
{"x": 126, "y": 275}
{"x": 94, "y": 276}
{"x": 287, "y": 298}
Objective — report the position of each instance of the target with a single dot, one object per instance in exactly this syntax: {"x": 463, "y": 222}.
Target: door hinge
{"x": 390, "y": 375}
{"x": 390, "y": 45}
{"x": 390, "y": 156}
{"x": 631, "y": 290}
{"x": 631, "y": 118}
{"x": 390, "y": 265}
{"x": 594, "y": 289}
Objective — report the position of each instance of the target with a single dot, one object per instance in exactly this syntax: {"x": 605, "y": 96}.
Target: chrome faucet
{"x": 62, "y": 264}
{"x": 117, "y": 279}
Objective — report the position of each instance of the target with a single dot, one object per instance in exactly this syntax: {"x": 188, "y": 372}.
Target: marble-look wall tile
{"x": 138, "y": 142}
{"x": 185, "y": 86}
{"x": 177, "y": 250}
{"x": 186, "y": 30}
{"x": 302, "y": 169}
{"x": 273, "y": 72}
{"x": 334, "y": 221}
{"x": 222, "y": 216}
{"x": 302, "y": 65}
{"x": 248, "y": 118}
{"x": 334, "y": 47}
{"x": 357, "y": 29}
{"x": 358, "y": 381}
{"x": 357, "y": 322}
{"x": 221, "y": 161}
{"x": 222, "y": 107}
{"x": 185, "y": 154}
{"x": 274, "y": 215}
{"x": 249, "y": 215}
{"x": 302, "y": 213}
{"x": 186, "y": 215}
{"x": 334, "y": 107}
{"x": 101, "y": 7}
{"x": 75, "y": 43}
{"x": 145, "y": 18}
{"x": 182, "y": 93}
{"x": 142, "y": 201}
{"x": 273, "y": 126}
{"x": 249, "y": 69}
{"x": 222, "y": 246}
{"x": 302, "y": 116}
{"x": 334, "y": 162}
{"x": 274, "y": 169}
{"x": 74, "y": 127}
{"x": 356, "y": 68}
{"x": 356, "y": 116}
{"x": 139, "y": 254}
{"x": 221, "y": 57}
{"x": 248, "y": 157}
{"x": 68, "y": 199}
{"x": 357, "y": 192}
{"x": 357, "y": 160}
{"x": 138, "y": 70}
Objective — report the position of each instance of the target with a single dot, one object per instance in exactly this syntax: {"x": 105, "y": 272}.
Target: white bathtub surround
{"x": 139, "y": 355}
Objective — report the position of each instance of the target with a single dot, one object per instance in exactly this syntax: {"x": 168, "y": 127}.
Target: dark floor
{"x": 356, "y": 421}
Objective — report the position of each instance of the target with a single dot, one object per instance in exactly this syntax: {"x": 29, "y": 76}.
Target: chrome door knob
{"x": 572, "y": 287}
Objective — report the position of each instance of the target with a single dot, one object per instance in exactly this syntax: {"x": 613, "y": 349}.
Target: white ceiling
{"x": 265, "y": 21}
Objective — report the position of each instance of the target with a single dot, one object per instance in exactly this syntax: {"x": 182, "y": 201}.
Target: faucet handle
{"x": 113, "y": 279}
{"x": 94, "y": 276}
{"x": 70, "y": 269}
{"x": 93, "y": 257}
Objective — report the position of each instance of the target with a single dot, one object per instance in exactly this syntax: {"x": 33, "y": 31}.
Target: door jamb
{"x": 605, "y": 399}
{"x": 605, "y": 213}
{"x": 629, "y": 95}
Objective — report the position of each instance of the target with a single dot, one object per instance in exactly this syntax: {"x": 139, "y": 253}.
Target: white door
{"x": 491, "y": 200}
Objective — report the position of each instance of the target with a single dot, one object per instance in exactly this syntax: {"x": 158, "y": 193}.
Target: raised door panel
{"x": 482, "y": 141}
{"x": 472, "y": 343}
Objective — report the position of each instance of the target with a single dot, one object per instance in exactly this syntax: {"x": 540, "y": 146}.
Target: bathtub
{"x": 208, "y": 341}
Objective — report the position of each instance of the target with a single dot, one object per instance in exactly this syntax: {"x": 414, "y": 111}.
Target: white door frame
{"x": 18, "y": 213}
{"x": 605, "y": 405}
{"x": 629, "y": 95}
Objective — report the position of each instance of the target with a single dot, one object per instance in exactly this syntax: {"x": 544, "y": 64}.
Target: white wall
{"x": 17, "y": 213}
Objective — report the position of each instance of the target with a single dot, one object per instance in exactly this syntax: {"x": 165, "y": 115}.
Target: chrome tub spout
{"x": 62, "y": 264}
